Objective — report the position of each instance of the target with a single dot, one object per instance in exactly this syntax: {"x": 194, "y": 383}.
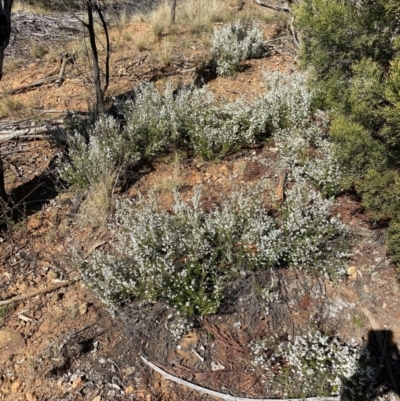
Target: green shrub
{"x": 393, "y": 239}
{"x": 337, "y": 34}
{"x": 357, "y": 151}
{"x": 352, "y": 48}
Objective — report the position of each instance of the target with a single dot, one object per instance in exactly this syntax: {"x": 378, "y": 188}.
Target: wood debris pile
{"x": 28, "y": 27}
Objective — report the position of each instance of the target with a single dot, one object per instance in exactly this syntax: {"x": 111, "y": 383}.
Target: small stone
{"x": 129, "y": 390}
{"x": 384, "y": 306}
{"x": 51, "y": 275}
{"x": 217, "y": 366}
{"x": 83, "y": 308}
{"x": 102, "y": 361}
{"x": 11, "y": 343}
{"x": 129, "y": 370}
{"x": 352, "y": 273}
{"x": 366, "y": 289}
{"x": 78, "y": 382}
{"x": 30, "y": 397}
{"x": 15, "y": 385}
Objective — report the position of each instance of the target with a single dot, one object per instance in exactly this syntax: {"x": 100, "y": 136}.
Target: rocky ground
{"x": 63, "y": 344}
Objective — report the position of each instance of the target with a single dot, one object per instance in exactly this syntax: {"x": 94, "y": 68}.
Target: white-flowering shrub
{"x": 314, "y": 241}
{"x": 306, "y": 150}
{"x": 193, "y": 119}
{"x": 287, "y": 101}
{"x": 92, "y": 161}
{"x": 151, "y": 120}
{"x": 184, "y": 258}
{"x": 314, "y": 365}
{"x": 177, "y": 324}
{"x": 236, "y": 42}
{"x": 324, "y": 364}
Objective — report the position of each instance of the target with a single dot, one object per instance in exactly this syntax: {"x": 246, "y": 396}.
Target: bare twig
{"x": 37, "y": 292}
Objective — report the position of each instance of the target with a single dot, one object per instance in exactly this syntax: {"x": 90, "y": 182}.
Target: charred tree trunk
{"x": 100, "y": 91}
{"x": 5, "y": 28}
{"x": 3, "y": 194}
{"x": 5, "y": 31}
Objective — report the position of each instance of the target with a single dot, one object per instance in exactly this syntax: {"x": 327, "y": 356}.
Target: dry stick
{"x": 35, "y": 84}
{"x": 262, "y": 4}
{"x": 37, "y": 292}
{"x": 280, "y": 188}
{"x": 28, "y": 132}
{"x": 222, "y": 396}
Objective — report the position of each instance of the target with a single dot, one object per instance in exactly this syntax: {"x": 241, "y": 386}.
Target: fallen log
{"x": 28, "y": 132}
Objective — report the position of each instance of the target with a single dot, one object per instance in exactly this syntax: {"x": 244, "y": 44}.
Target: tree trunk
{"x": 95, "y": 57}
{"x": 3, "y": 195}
{"x": 5, "y": 28}
{"x": 173, "y": 11}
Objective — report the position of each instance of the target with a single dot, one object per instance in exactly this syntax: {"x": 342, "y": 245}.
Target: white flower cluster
{"x": 236, "y": 42}
{"x": 99, "y": 156}
{"x": 307, "y": 151}
{"x": 185, "y": 258}
{"x": 314, "y": 241}
{"x": 266, "y": 355}
{"x": 177, "y": 324}
{"x": 193, "y": 119}
{"x": 323, "y": 364}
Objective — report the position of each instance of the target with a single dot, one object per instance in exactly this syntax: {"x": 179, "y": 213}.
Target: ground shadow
{"x": 378, "y": 369}
{"x": 31, "y": 196}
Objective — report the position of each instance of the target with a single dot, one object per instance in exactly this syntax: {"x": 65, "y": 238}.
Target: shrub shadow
{"x": 383, "y": 366}
{"x": 31, "y": 196}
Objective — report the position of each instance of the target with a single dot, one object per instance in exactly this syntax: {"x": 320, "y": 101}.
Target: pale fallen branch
{"x": 226, "y": 397}
{"x": 282, "y": 9}
{"x": 37, "y": 292}
{"x": 28, "y": 132}
{"x": 35, "y": 84}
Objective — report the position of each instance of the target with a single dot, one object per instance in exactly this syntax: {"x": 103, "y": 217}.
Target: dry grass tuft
{"x": 160, "y": 19}
{"x": 199, "y": 15}
{"x": 173, "y": 181}
{"x": 163, "y": 53}
{"x": 9, "y": 106}
{"x": 141, "y": 42}
{"x": 29, "y": 6}
{"x": 37, "y": 49}
{"x": 98, "y": 204}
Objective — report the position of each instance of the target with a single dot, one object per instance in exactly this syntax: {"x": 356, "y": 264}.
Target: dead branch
{"x": 28, "y": 132}
{"x": 282, "y": 9}
{"x": 222, "y": 396}
{"x": 37, "y": 292}
{"x": 35, "y": 84}
{"x": 280, "y": 188}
